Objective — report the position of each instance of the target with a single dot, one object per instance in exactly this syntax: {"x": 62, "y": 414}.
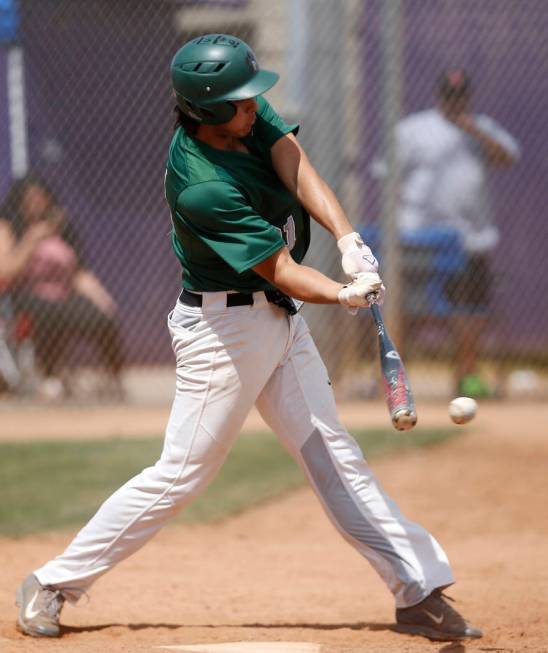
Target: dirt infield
{"x": 281, "y": 573}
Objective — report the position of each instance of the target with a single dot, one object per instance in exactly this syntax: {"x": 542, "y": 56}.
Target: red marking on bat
{"x": 396, "y": 392}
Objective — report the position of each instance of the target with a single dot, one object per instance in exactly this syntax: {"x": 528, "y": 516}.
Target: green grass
{"x": 53, "y": 485}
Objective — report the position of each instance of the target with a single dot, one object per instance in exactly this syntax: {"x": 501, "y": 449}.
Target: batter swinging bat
{"x": 396, "y": 385}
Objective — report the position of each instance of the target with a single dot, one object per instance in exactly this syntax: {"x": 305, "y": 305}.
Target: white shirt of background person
{"x": 443, "y": 176}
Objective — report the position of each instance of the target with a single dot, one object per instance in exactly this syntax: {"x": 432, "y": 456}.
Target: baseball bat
{"x": 397, "y": 390}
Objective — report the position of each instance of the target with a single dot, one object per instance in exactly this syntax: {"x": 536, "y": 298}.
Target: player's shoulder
{"x": 265, "y": 111}
{"x": 201, "y": 196}
{"x": 262, "y": 105}
{"x": 188, "y": 163}
{"x": 269, "y": 125}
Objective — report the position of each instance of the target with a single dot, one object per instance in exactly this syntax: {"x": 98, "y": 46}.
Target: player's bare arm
{"x": 293, "y": 167}
{"x": 298, "y": 175}
{"x": 299, "y": 281}
{"x": 310, "y": 285}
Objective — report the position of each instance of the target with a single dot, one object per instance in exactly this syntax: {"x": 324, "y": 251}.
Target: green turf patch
{"x": 52, "y": 485}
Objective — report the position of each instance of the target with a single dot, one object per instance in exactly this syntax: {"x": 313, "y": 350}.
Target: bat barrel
{"x": 399, "y": 398}
{"x": 404, "y": 419}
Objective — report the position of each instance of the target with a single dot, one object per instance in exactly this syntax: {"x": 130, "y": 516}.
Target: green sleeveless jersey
{"x": 230, "y": 210}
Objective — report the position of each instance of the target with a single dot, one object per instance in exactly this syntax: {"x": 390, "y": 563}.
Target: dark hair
{"x": 454, "y": 84}
{"x": 10, "y": 209}
{"x": 182, "y": 120}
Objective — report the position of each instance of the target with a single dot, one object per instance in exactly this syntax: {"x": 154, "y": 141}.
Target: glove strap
{"x": 350, "y": 242}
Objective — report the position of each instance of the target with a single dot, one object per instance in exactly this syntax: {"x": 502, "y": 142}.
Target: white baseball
{"x": 462, "y": 410}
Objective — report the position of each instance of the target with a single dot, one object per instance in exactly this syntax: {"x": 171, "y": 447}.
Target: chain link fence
{"x": 86, "y": 109}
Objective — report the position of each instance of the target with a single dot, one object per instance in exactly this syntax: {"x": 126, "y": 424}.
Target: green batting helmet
{"x": 210, "y": 71}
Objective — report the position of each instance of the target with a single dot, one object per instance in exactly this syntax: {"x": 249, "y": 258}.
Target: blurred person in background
{"x": 241, "y": 192}
{"x": 444, "y": 155}
{"x": 42, "y": 265}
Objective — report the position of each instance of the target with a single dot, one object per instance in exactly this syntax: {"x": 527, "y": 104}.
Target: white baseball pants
{"x": 229, "y": 359}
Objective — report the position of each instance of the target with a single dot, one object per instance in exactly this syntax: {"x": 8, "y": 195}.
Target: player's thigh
{"x": 223, "y": 362}
{"x": 298, "y": 399}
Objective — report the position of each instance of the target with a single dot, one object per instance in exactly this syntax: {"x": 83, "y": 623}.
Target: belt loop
{"x": 214, "y": 301}
{"x": 259, "y": 298}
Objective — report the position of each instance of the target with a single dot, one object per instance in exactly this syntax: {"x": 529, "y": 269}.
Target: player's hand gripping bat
{"x": 396, "y": 385}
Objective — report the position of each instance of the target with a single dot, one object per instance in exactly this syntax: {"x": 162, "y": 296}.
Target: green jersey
{"x": 230, "y": 210}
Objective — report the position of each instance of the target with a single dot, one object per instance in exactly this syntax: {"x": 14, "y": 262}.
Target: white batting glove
{"x": 356, "y": 255}
{"x": 355, "y": 294}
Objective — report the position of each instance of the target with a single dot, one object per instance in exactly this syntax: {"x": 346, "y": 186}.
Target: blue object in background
{"x": 9, "y": 34}
{"x": 5, "y": 159}
{"x": 9, "y": 21}
{"x": 430, "y": 257}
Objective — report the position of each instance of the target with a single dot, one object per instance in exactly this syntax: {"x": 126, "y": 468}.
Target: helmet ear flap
{"x": 214, "y": 114}
{"x": 219, "y": 113}
{"x": 189, "y": 108}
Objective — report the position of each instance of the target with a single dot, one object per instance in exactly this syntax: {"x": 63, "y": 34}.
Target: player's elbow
{"x": 276, "y": 268}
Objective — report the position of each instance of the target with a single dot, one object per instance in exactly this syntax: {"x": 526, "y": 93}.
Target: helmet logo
{"x": 217, "y": 39}
{"x": 252, "y": 62}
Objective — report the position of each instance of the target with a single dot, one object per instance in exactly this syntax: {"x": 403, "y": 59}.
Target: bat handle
{"x": 372, "y": 298}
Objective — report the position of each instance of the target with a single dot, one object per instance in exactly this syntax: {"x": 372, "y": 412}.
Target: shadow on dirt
{"x": 69, "y": 630}
{"x": 453, "y": 647}
{"x": 360, "y": 625}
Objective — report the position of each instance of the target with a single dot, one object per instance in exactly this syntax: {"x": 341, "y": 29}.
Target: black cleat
{"x": 434, "y": 618}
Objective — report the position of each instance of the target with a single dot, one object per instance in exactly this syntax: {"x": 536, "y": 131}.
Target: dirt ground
{"x": 280, "y": 572}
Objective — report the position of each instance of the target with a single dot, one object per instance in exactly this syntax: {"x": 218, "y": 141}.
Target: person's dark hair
{"x": 10, "y": 209}
{"x": 188, "y": 124}
{"x": 454, "y": 84}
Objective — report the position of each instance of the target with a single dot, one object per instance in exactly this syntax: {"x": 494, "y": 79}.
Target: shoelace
{"x": 441, "y": 596}
{"x": 446, "y": 597}
{"x": 52, "y": 602}
{"x": 54, "y": 599}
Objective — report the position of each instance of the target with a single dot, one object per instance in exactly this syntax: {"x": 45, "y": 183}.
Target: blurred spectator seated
{"x": 40, "y": 258}
{"x": 16, "y": 350}
{"x": 10, "y": 375}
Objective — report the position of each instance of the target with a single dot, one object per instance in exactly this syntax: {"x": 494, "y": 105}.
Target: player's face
{"x": 243, "y": 120}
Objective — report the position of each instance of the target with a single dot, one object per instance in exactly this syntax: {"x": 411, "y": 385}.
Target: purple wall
{"x": 503, "y": 45}
{"x": 99, "y": 124}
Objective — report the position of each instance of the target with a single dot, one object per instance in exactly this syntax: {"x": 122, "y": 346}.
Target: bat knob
{"x": 404, "y": 420}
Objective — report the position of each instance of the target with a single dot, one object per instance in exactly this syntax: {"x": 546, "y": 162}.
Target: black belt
{"x": 242, "y": 299}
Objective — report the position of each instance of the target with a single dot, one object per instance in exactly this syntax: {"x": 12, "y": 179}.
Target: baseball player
{"x": 240, "y": 190}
